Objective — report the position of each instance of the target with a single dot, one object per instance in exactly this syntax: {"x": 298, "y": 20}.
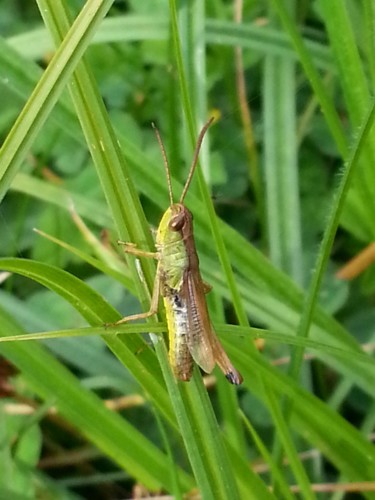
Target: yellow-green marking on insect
{"x": 178, "y": 279}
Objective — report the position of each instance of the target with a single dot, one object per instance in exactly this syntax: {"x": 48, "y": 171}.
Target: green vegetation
{"x": 284, "y": 198}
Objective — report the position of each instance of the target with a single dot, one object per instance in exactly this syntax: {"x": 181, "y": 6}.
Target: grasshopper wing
{"x": 225, "y": 365}
{"x": 203, "y": 344}
{"x": 199, "y": 330}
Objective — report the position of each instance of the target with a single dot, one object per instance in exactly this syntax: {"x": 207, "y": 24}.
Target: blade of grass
{"x": 228, "y": 399}
{"x": 282, "y": 484}
{"x": 190, "y": 52}
{"x": 216, "y": 460}
{"x": 314, "y": 419}
{"x": 280, "y": 166}
{"x": 283, "y": 434}
{"x": 219, "y": 243}
{"x": 369, "y": 15}
{"x": 339, "y": 441}
{"x": 250, "y": 486}
{"x": 312, "y": 74}
{"x": 176, "y": 486}
{"x": 264, "y": 39}
{"x": 109, "y": 270}
{"x": 329, "y": 235}
{"x": 324, "y": 252}
{"x": 51, "y": 381}
{"x": 47, "y": 91}
{"x": 104, "y": 148}
{"x": 283, "y": 207}
{"x": 354, "y": 84}
{"x": 202, "y": 463}
{"x": 209, "y": 208}
{"x": 248, "y": 129}
{"x": 356, "y": 214}
{"x": 218, "y": 454}
{"x": 135, "y": 354}
{"x": 222, "y": 329}
{"x": 120, "y": 194}
{"x": 87, "y": 331}
{"x": 193, "y": 55}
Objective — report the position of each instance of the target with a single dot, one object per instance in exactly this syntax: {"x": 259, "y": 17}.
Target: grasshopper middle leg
{"x": 132, "y": 249}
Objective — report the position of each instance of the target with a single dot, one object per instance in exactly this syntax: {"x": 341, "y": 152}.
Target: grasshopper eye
{"x": 177, "y": 222}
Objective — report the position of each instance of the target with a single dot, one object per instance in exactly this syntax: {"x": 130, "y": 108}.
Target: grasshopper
{"x": 178, "y": 280}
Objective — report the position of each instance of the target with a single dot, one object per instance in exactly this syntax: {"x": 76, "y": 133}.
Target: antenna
{"x": 195, "y": 158}
{"x": 165, "y": 159}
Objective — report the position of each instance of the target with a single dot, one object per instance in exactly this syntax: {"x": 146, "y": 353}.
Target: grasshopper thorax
{"x": 175, "y": 227}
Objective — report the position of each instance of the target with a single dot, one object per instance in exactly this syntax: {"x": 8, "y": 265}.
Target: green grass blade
{"x": 111, "y": 433}
{"x": 339, "y": 441}
{"x": 221, "y": 32}
{"x": 280, "y": 166}
{"x": 316, "y": 82}
{"x": 48, "y": 90}
{"x": 209, "y": 208}
{"x": 329, "y": 234}
{"x": 353, "y": 80}
{"x": 98, "y": 312}
{"x": 283, "y": 434}
{"x": 280, "y": 480}
{"x": 222, "y": 330}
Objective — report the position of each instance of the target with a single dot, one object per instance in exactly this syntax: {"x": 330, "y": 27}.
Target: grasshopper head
{"x": 180, "y": 216}
{"x": 176, "y": 222}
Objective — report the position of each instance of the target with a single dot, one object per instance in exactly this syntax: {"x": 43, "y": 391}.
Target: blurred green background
{"x": 291, "y": 153}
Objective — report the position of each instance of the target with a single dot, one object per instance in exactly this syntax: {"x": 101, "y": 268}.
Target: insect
{"x": 178, "y": 280}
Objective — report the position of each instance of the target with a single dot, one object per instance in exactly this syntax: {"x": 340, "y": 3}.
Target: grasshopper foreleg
{"x": 134, "y": 250}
